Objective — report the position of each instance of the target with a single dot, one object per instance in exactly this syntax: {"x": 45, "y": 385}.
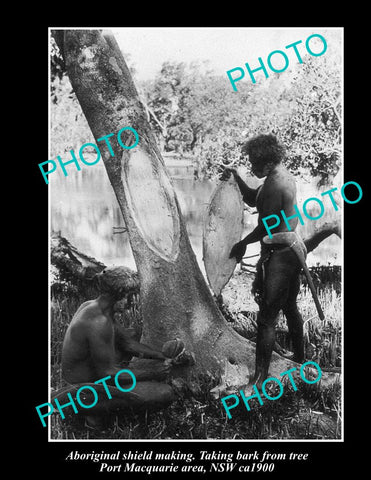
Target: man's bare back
{"x": 95, "y": 344}
{"x": 79, "y": 356}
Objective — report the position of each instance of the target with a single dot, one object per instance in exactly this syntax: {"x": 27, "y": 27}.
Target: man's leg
{"x": 295, "y": 320}
{"x": 109, "y": 399}
{"x": 150, "y": 396}
{"x": 277, "y": 274}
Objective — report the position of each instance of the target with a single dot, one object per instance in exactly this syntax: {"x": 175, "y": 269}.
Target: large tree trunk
{"x": 176, "y": 301}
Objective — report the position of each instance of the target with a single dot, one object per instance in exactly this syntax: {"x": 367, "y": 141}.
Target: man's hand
{"x": 227, "y": 173}
{"x": 184, "y": 358}
{"x": 238, "y": 251}
{"x": 165, "y": 368}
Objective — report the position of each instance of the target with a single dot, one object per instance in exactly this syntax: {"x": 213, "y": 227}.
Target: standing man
{"x": 277, "y": 283}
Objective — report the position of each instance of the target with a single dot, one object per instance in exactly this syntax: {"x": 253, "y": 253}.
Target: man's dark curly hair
{"x": 264, "y": 148}
{"x": 117, "y": 281}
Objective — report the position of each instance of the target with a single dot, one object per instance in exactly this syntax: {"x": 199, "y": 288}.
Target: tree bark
{"x": 175, "y": 299}
{"x": 323, "y": 231}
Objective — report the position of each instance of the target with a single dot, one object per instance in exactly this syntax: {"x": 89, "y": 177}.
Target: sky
{"x": 224, "y": 48}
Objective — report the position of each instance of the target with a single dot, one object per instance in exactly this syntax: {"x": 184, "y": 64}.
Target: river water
{"x": 84, "y": 209}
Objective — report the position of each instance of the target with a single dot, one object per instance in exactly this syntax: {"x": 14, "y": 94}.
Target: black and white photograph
{"x": 196, "y": 197}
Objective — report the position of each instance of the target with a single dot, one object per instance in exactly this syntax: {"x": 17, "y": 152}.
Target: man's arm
{"x": 248, "y": 194}
{"x": 129, "y": 345}
{"x": 103, "y": 358}
{"x": 272, "y": 204}
{"x": 142, "y": 350}
{"x": 239, "y": 249}
{"x": 101, "y": 350}
{"x": 256, "y": 235}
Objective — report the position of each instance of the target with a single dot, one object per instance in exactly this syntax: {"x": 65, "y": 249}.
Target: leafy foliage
{"x": 196, "y": 113}
{"x": 202, "y": 116}
{"x": 57, "y": 66}
{"x": 69, "y": 127}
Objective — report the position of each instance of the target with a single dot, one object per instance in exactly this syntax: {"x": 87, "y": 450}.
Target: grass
{"x": 291, "y": 417}
{"x": 312, "y": 412}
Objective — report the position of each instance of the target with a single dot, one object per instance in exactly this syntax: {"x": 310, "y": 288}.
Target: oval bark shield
{"x": 223, "y": 228}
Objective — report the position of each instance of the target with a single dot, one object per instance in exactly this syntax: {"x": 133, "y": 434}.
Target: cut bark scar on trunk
{"x": 151, "y": 199}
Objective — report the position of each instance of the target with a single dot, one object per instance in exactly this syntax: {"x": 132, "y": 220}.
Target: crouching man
{"x": 95, "y": 347}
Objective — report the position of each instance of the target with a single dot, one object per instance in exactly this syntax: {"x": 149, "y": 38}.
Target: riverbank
{"x": 306, "y": 414}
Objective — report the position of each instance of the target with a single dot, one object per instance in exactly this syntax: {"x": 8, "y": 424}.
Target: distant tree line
{"x": 194, "y": 113}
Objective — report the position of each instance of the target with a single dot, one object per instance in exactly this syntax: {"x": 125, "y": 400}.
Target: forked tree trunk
{"x": 176, "y": 301}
